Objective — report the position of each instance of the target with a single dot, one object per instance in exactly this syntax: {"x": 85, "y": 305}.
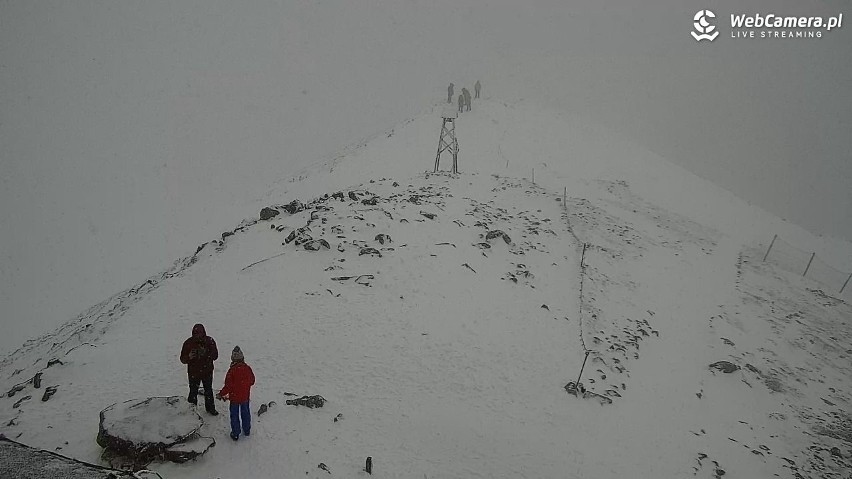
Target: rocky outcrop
{"x": 268, "y": 213}
{"x": 136, "y": 432}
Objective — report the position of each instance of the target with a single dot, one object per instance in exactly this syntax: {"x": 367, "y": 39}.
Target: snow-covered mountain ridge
{"x": 448, "y": 312}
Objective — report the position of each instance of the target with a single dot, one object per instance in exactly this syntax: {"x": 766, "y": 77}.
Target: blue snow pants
{"x": 240, "y": 410}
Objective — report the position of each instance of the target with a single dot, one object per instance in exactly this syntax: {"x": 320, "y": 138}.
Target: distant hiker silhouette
{"x": 198, "y": 353}
{"x": 450, "y": 93}
{"x": 461, "y": 103}
{"x": 466, "y": 94}
{"x": 476, "y": 89}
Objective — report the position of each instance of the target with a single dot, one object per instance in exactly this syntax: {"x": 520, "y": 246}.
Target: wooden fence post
{"x": 809, "y": 264}
{"x": 844, "y": 284}
{"x": 770, "y": 247}
{"x": 577, "y": 384}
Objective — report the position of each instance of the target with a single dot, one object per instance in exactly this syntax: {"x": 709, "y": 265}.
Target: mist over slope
{"x": 132, "y": 132}
{"x": 447, "y": 313}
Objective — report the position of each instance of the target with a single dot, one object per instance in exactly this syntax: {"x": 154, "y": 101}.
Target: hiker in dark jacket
{"x": 198, "y": 353}
{"x": 476, "y": 88}
{"x": 461, "y": 103}
{"x": 450, "y": 93}
{"x": 466, "y": 94}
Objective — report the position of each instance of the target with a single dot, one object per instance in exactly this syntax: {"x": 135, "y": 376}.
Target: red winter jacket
{"x": 238, "y": 383}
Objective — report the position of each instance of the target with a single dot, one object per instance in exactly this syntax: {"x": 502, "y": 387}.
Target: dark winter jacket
{"x": 238, "y": 383}
{"x": 198, "y": 353}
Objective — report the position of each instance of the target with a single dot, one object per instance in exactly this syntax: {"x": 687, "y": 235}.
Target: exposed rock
{"x": 497, "y": 234}
{"x": 774, "y": 385}
{"x": 316, "y": 245}
{"x": 431, "y": 216}
{"x": 383, "y": 238}
{"x": 19, "y": 401}
{"x": 15, "y": 390}
{"x": 49, "y": 392}
{"x": 21, "y": 461}
{"x": 395, "y": 184}
{"x": 353, "y": 196}
{"x": 725, "y": 366}
{"x": 338, "y": 195}
{"x": 138, "y": 431}
{"x": 200, "y": 247}
{"x": 294, "y": 207}
{"x": 372, "y": 251}
{"x": 268, "y": 213}
{"x": 370, "y": 201}
{"x": 298, "y": 236}
{"x": 309, "y": 401}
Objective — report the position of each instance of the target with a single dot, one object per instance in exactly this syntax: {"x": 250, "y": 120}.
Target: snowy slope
{"x": 131, "y": 131}
{"x": 446, "y": 349}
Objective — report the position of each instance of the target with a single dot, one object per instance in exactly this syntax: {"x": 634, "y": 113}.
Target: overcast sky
{"x": 130, "y": 132}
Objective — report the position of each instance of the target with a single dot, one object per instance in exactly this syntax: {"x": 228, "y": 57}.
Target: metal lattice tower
{"x": 448, "y": 140}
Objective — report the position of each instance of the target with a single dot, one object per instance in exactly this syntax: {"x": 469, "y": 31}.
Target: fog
{"x": 131, "y": 132}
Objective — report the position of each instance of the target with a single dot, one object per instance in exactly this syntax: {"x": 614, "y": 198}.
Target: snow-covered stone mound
{"x": 135, "y": 432}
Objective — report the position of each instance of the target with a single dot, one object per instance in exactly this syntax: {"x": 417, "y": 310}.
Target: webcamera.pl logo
{"x": 703, "y": 27}
{"x": 769, "y": 25}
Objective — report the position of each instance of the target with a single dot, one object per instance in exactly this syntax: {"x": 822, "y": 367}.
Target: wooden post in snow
{"x": 577, "y": 384}
{"x": 770, "y": 247}
{"x": 844, "y": 284}
{"x": 809, "y": 264}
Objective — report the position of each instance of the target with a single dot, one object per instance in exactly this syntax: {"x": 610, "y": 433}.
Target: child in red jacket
{"x": 238, "y": 383}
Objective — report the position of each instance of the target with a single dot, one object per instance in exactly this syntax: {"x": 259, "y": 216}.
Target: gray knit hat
{"x": 237, "y": 354}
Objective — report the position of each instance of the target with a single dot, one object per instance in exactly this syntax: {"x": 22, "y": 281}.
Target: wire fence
{"x": 809, "y": 265}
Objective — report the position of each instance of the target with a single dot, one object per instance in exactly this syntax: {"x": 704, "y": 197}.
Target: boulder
{"x": 294, "y": 207}
{"x": 370, "y": 251}
{"x": 724, "y": 366}
{"x": 268, "y": 213}
{"x": 136, "y": 432}
{"x": 316, "y": 245}
{"x": 309, "y": 401}
{"x": 497, "y": 234}
{"x": 383, "y": 238}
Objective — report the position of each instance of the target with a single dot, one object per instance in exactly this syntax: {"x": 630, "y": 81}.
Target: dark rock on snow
{"x": 725, "y": 366}
{"x": 138, "y": 431}
{"x": 268, "y": 213}
{"x": 294, "y": 207}
{"x": 497, "y": 234}
{"x": 309, "y": 401}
